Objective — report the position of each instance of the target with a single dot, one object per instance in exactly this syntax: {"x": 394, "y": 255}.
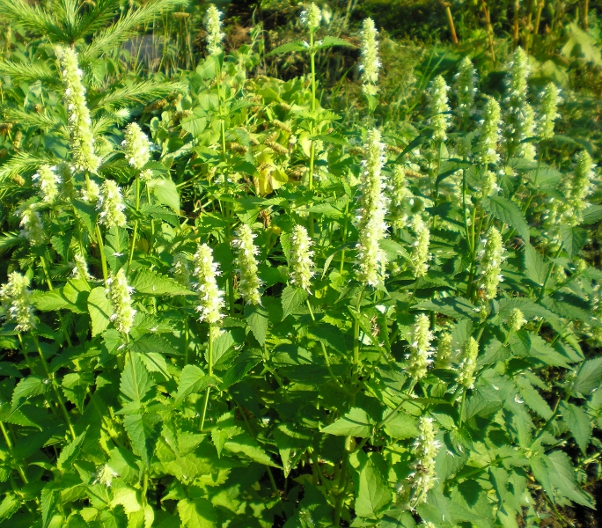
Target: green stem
{"x": 210, "y": 358}
{"x": 9, "y": 445}
{"x": 101, "y": 249}
{"x": 135, "y": 234}
{"x": 49, "y": 283}
{"x": 57, "y": 394}
{"x": 356, "y": 332}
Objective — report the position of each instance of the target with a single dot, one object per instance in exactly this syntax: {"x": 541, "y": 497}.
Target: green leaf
{"x": 153, "y": 283}
{"x": 288, "y": 47}
{"x": 75, "y": 386}
{"x": 70, "y": 453}
{"x": 579, "y": 424}
{"x": 589, "y": 377}
{"x": 244, "y": 363}
{"x": 86, "y": 213}
{"x": 100, "y": 310}
{"x": 192, "y": 381}
{"x": 329, "y": 42}
{"x": 166, "y": 192}
{"x": 292, "y": 299}
{"x": 573, "y": 239}
{"x": 135, "y": 381}
{"x": 9, "y": 506}
{"x": 562, "y": 476}
{"x": 257, "y": 319}
{"x": 196, "y": 123}
{"x": 141, "y": 432}
{"x": 355, "y": 423}
{"x": 456, "y": 307}
{"x": 372, "y": 492}
{"x": 508, "y": 212}
{"x": 402, "y": 426}
{"x": 28, "y": 388}
{"x": 197, "y": 513}
{"x": 532, "y": 398}
{"x": 535, "y": 269}
{"x": 245, "y": 444}
{"x": 48, "y": 501}
{"x": 592, "y": 214}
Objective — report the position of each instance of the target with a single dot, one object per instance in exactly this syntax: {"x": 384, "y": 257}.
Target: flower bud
{"x": 425, "y": 450}
{"x": 48, "y": 182}
{"x": 32, "y": 226}
{"x": 419, "y": 357}
{"x": 249, "y": 282}
{"x": 439, "y": 108}
{"x": 121, "y": 297}
{"x": 111, "y": 205}
{"x": 444, "y": 351}
{"x": 301, "y": 258}
{"x": 16, "y": 301}
{"x": 211, "y": 298}
{"x": 549, "y": 111}
{"x": 136, "y": 146}
{"x": 80, "y": 271}
{"x": 468, "y": 366}
{"x": 420, "y": 255}
{"x": 492, "y": 257}
{"x": 516, "y": 320}
{"x": 311, "y": 17}
{"x": 465, "y": 88}
{"x": 488, "y": 133}
{"x": 369, "y": 61}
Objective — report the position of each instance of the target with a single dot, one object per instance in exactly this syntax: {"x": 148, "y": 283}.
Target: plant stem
{"x": 356, "y": 332}
{"x": 11, "y": 451}
{"x": 101, "y": 249}
{"x": 135, "y": 234}
{"x": 210, "y": 360}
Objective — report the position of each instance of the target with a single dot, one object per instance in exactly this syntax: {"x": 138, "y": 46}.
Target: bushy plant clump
{"x": 234, "y": 310}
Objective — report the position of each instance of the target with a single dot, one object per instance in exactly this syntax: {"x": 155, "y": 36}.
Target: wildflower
{"x": 372, "y": 226}
{"x": 527, "y": 149}
{"x": 549, "y": 111}
{"x": 301, "y": 258}
{"x": 439, "y": 108}
{"x": 311, "y": 17}
{"x": 121, "y": 297}
{"x": 90, "y": 193}
{"x": 211, "y": 298}
{"x": 80, "y": 124}
{"x": 136, "y": 146}
{"x": 32, "y": 226}
{"x": 492, "y": 257}
{"x": 48, "y": 182}
{"x": 516, "y": 320}
{"x": 249, "y": 283}
{"x": 489, "y": 133}
{"x": 444, "y": 351}
{"x": 15, "y": 298}
{"x": 488, "y": 184}
{"x": 421, "y": 351}
{"x": 399, "y": 194}
{"x": 420, "y": 253}
{"x": 516, "y": 97}
{"x": 465, "y": 88}
{"x": 181, "y": 269}
{"x": 213, "y": 27}
{"x": 80, "y": 271}
{"x": 425, "y": 450}
{"x": 468, "y": 366}
{"x": 111, "y": 205}
{"x": 369, "y": 61}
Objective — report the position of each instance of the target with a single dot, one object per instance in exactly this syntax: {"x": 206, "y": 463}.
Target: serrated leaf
{"x": 197, "y": 513}
{"x": 246, "y": 445}
{"x": 151, "y": 282}
{"x": 589, "y": 377}
{"x": 75, "y": 386}
{"x": 244, "y": 363}
{"x": 592, "y": 214}
{"x": 355, "y": 423}
{"x": 100, "y": 310}
{"x": 166, "y": 192}
{"x": 579, "y": 423}
{"x": 86, "y": 213}
{"x": 70, "y": 452}
{"x": 292, "y": 299}
{"x": 508, "y": 212}
{"x": 257, "y": 319}
{"x": 48, "y": 500}
{"x": 9, "y": 506}
{"x": 573, "y": 239}
{"x": 562, "y": 476}
{"x": 135, "y": 381}
{"x": 535, "y": 269}
{"x": 289, "y": 47}
{"x": 28, "y": 388}
{"x": 192, "y": 380}
{"x": 402, "y": 426}
{"x": 532, "y": 398}
{"x": 141, "y": 432}
{"x": 373, "y": 494}
{"x": 329, "y": 42}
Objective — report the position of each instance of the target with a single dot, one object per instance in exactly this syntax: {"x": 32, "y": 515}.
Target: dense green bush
{"x": 224, "y": 305}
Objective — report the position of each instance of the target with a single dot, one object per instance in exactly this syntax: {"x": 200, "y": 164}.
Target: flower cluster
{"x": 444, "y": 351}
{"x": 420, "y": 255}
{"x": 15, "y": 298}
{"x": 516, "y": 320}
{"x": 301, "y": 258}
{"x": 488, "y": 133}
{"x": 515, "y": 99}
{"x": 80, "y": 270}
{"x": 465, "y": 88}
{"x": 246, "y": 250}
{"x": 31, "y": 225}
{"x": 526, "y": 149}
{"x": 211, "y": 298}
{"x": 90, "y": 192}
{"x": 548, "y": 111}
{"x": 82, "y": 140}
{"x": 111, "y": 205}
{"x": 120, "y": 294}
{"x": 421, "y": 351}
{"x": 488, "y": 184}
{"x": 439, "y": 108}
{"x": 492, "y": 257}
{"x": 213, "y": 27}
{"x": 425, "y": 450}
{"x": 369, "y": 61}
{"x": 311, "y": 17}
{"x": 468, "y": 366}
{"x": 48, "y": 182}
{"x": 372, "y": 227}
{"x": 136, "y": 146}
{"x": 399, "y": 194}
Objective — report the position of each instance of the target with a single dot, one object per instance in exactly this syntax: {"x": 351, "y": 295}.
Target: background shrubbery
{"x": 300, "y": 269}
